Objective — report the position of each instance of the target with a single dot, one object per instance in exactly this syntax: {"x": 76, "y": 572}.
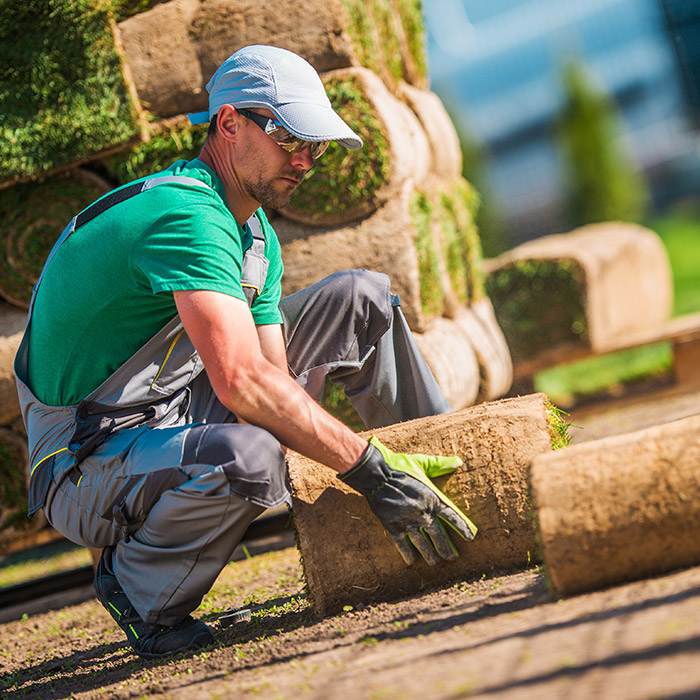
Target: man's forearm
{"x": 247, "y": 370}
{"x": 267, "y": 397}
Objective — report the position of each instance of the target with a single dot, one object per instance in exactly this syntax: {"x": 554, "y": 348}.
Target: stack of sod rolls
{"x": 95, "y": 93}
{"x": 399, "y": 205}
{"x": 14, "y": 468}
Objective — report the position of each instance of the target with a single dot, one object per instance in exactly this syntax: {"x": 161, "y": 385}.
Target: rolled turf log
{"x": 14, "y": 477}
{"x": 174, "y": 48}
{"x": 347, "y": 556}
{"x": 348, "y": 185}
{"x": 596, "y": 289}
{"x": 620, "y": 508}
{"x": 468, "y": 355}
{"x": 68, "y": 98}
{"x": 425, "y": 240}
{"x": 490, "y": 348}
{"x": 445, "y": 149}
{"x": 450, "y": 355}
{"x": 167, "y": 141}
{"x": 32, "y": 217}
{"x": 12, "y": 322}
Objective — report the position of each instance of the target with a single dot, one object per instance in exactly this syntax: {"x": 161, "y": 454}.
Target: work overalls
{"x": 153, "y": 463}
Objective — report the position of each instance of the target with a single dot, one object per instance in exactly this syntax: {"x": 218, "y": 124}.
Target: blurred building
{"x": 497, "y": 65}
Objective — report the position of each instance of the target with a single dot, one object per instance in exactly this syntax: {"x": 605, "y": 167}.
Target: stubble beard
{"x": 265, "y": 193}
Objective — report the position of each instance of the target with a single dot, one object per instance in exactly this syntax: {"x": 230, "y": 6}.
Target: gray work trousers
{"x": 176, "y": 500}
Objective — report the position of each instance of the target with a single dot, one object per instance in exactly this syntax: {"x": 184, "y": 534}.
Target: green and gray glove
{"x": 409, "y": 506}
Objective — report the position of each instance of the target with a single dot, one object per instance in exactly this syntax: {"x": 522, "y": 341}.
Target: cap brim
{"x": 313, "y": 122}
{"x": 198, "y": 117}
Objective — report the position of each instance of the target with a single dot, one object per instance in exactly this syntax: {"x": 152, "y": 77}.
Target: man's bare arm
{"x": 272, "y": 345}
{"x": 245, "y": 381}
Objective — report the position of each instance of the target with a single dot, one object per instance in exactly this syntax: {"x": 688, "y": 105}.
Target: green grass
{"x": 680, "y": 232}
{"x": 604, "y": 373}
{"x": 62, "y": 93}
{"x": 41, "y": 561}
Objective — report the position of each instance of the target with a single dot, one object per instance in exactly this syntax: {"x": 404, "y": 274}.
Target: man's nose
{"x": 302, "y": 158}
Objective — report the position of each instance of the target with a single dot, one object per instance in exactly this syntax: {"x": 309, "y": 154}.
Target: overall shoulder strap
{"x": 255, "y": 264}
{"x": 120, "y": 195}
{"x": 258, "y": 234}
{"x": 104, "y": 203}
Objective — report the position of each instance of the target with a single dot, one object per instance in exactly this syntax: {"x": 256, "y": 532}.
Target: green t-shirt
{"x": 109, "y": 288}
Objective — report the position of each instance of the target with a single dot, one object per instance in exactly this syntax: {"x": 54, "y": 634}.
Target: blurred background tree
{"x": 602, "y": 183}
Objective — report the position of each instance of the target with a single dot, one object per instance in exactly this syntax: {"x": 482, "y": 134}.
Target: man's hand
{"x": 412, "y": 510}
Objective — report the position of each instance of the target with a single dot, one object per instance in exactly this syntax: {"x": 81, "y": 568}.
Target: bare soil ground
{"x": 498, "y": 637}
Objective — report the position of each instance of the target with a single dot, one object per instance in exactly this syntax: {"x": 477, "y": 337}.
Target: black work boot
{"x": 147, "y": 640}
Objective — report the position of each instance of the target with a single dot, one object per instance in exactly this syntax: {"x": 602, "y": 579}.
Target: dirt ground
{"x": 498, "y": 637}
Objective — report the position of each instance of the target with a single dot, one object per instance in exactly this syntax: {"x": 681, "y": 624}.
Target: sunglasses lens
{"x": 291, "y": 143}
{"x": 318, "y": 148}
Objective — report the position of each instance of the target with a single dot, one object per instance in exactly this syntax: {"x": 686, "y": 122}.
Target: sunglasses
{"x": 282, "y": 137}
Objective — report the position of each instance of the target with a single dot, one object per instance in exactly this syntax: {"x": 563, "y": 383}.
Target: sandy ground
{"x": 499, "y": 637}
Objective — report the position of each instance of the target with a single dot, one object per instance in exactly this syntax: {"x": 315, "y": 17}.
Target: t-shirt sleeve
{"x": 191, "y": 247}
{"x": 265, "y": 308}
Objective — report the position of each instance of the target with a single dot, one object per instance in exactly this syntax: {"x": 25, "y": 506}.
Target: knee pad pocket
{"x": 250, "y": 457}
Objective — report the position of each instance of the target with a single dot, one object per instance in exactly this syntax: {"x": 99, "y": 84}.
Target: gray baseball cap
{"x": 276, "y": 79}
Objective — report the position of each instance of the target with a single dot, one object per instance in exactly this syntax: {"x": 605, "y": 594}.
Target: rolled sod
{"x": 479, "y": 324}
{"x": 63, "y": 95}
{"x": 445, "y": 150}
{"x": 346, "y": 185}
{"x": 347, "y": 556}
{"x": 621, "y": 508}
{"x": 32, "y": 217}
{"x": 451, "y": 358}
{"x": 468, "y": 355}
{"x": 175, "y": 47}
{"x": 12, "y": 322}
{"x": 14, "y": 477}
{"x": 425, "y": 240}
{"x": 168, "y": 141}
{"x": 596, "y": 289}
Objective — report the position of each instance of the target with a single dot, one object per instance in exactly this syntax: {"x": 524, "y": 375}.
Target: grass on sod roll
{"x": 680, "y": 232}
{"x": 539, "y": 304}
{"x": 343, "y": 180}
{"x": 431, "y": 292}
{"x": 377, "y": 38}
{"x": 32, "y": 217}
{"x": 62, "y": 92}
{"x": 181, "y": 141}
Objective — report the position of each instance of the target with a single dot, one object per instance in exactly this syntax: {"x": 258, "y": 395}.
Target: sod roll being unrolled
{"x": 347, "y": 556}
{"x": 618, "y": 509}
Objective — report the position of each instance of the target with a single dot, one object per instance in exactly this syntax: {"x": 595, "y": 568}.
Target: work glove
{"x": 411, "y": 509}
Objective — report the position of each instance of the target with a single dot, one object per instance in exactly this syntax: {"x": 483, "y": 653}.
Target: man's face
{"x": 268, "y": 173}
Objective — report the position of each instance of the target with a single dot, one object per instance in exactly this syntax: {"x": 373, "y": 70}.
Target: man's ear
{"x": 228, "y": 122}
